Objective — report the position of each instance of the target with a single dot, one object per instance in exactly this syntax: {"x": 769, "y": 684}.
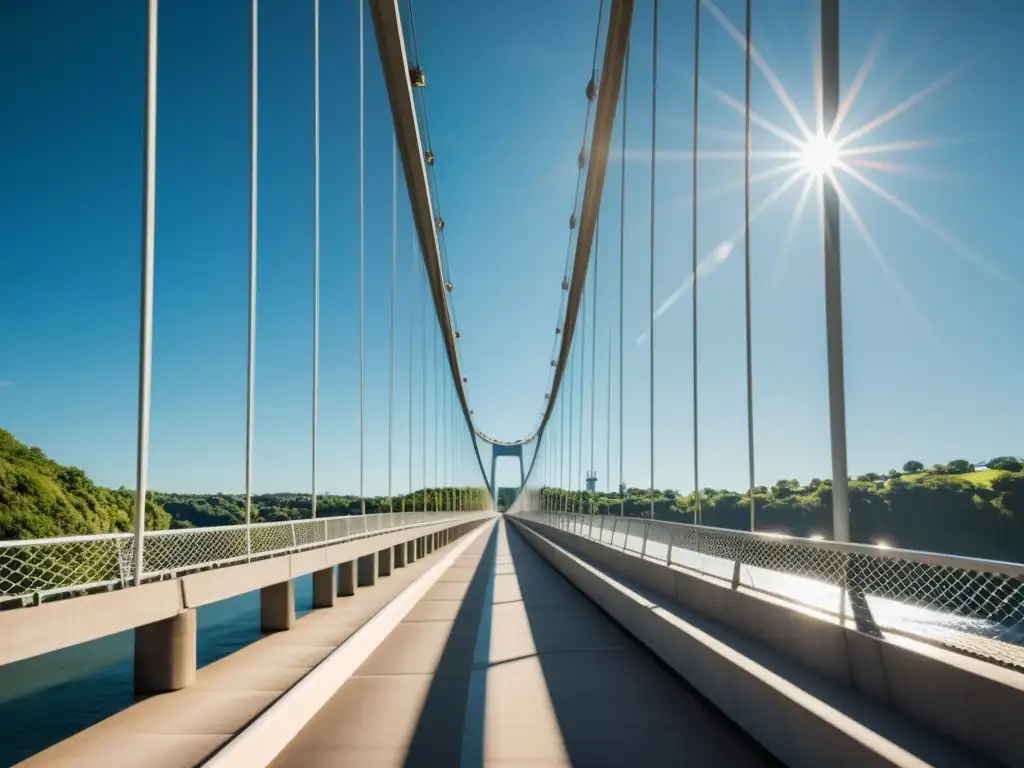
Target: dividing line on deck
{"x": 476, "y": 696}
{"x": 267, "y": 735}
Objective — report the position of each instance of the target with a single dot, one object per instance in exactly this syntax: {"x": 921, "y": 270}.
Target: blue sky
{"x": 506, "y": 112}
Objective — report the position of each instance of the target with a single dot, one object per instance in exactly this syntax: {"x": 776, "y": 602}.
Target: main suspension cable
{"x": 562, "y": 308}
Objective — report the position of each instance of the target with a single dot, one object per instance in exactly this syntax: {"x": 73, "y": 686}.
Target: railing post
{"x": 643, "y": 547}
{"x": 854, "y": 587}
{"x": 740, "y": 547}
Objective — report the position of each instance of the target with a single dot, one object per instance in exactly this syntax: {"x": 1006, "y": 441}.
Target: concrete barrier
{"x": 265, "y": 737}
{"x": 810, "y": 691}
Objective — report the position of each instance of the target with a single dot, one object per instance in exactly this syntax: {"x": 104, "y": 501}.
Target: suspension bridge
{"x": 563, "y": 630}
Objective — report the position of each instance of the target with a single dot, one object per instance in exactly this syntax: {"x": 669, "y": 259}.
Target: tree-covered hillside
{"x": 946, "y": 508}
{"x": 40, "y": 498}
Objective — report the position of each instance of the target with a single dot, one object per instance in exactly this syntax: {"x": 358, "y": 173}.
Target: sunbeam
{"x": 732, "y": 186}
{"x": 894, "y": 279}
{"x": 711, "y": 262}
{"x": 893, "y": 146}
{"x": 767, "y": 72}
{"x": 903, "y": 106}
{"x": 929, "y": 226}
{"x": 755, "y": 118}
{"x": 901, "y": 168}
{"x": 787, "y": 241}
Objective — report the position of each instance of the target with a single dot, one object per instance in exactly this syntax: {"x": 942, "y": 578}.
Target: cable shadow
{"x": 615, "y": 703}
{"x": 443, "y": 722}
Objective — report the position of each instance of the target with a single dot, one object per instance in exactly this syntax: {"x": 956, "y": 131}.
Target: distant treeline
{"x": 40, "y": 498}
{"x": 947, "y": 508}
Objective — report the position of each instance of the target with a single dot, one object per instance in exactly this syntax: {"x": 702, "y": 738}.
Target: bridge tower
{"x": 516, "y": 452}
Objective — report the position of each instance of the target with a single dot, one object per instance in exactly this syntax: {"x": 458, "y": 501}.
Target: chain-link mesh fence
{"x": 34, "y": 571}
{"x": 969, "y": 605}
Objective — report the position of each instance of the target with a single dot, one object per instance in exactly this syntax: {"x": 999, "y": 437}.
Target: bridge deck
{"x": 504, "y": 661}
{"x": 182, "y": 729}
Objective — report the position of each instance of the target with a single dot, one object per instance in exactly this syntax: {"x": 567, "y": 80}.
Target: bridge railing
{"x": 968, "y": 605}
{"x": 32, "y": 571}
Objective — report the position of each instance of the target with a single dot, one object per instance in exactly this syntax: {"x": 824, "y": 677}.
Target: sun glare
{"x": 819, "y": 155}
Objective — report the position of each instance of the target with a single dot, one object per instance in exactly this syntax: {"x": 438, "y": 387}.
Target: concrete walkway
{"x": 181, "y": 729}
{"x": 505, "y": 662}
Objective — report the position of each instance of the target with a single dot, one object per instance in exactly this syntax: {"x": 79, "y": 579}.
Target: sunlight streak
{"x": 893, "y": 146}
{"x": 708, "y": 264}
{"x": 723, "y": 189}
{"x": 711, "y": 262}
{"x": 904, "y": 105}
{"x": 766, "y": 71}
{"x": 934, "y": 229}
{"x": 787, "y": 241}
{"x": 754, "y": 117}
{"x": 897, "y": 284}
{"x": 858, "y": 82}
{"x": 715, "y": 155}
{"x": 901, "y": 168}
{"x": 686, "y": 154}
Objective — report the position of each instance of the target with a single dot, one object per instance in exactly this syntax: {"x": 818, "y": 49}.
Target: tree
{"x": 959, "y": 467}
{"x": 1006, "y": 463}
{"x": 913, "y": 467}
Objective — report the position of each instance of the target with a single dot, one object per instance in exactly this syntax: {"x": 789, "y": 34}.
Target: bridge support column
{"x": 347, "y": 579}
{"x": 367, "y": 570}
{"x": 165, "y": 654}
{"x": 400, "y": 556}
{"x": 325, "y": 588}
{"x": 429, "y": 543}
{"x": 410, "y": 551}
{"x": 384, "y": 562}
{"x": 277, "y": 607}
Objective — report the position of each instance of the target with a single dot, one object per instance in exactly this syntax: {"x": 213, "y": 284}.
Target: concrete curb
{"x": 264, "y": 739}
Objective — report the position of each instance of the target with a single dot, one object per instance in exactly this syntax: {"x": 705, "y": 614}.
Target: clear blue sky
{"x": 506, "y": 111}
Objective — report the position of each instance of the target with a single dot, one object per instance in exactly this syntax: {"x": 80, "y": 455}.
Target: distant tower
{"x": 591, "y": 481}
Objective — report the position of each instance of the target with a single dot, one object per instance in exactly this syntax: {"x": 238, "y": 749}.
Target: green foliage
{"x": 913, "y": 467}
{"x": 1007, "y": 463}
{"x": 40, "y": 498}
{"x": 978, "y": 514}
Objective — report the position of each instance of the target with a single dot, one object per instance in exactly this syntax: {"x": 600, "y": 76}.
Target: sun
{"x": 819, "y": 155}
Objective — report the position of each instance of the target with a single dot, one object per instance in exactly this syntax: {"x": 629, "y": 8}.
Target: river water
{"x": 45, "y": 699}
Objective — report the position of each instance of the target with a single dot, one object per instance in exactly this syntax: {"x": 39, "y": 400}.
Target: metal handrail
{"x": 34, "y": 570}
{"x": 973, "y": 606}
